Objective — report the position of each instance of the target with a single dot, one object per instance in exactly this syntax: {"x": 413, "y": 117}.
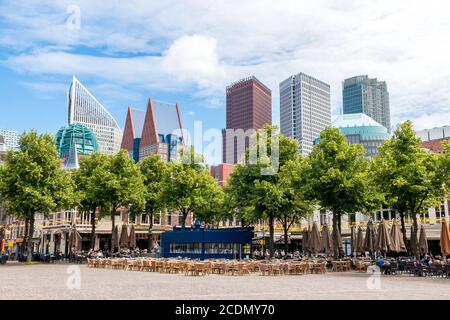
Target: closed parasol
{"x": 315, "y": 245}
{"x": 397, "y": 245}
{"x": 359, "y": 240}
{"x": 384, "y": 238}
{"x": 132, "y": 238}
{"x": 327, "y": 245}
{"x": 445, "y": 238}
{"x": 414, "y": 244}
{"x": 124, "y": 237}
{"x": 305, "y": 238}
{"x": 369, "y": 241}
{"x": 423, "y": 241}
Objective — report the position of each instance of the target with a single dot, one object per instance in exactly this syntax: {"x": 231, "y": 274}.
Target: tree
{"x": 337, "y": 178}
{"x": 32, "y": 182}
{"x": 411, "y": 178}
{"x": 295, "y": 205}
{"x": 188, "y": 186}
{"x": 91, "y": 182}
{"x": 124, "y": 187}
{"x": 255, "y": 186}
{"x": 153, "y": 173}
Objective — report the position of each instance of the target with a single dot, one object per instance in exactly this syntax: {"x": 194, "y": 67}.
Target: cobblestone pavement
{"x": 51, "y": 282}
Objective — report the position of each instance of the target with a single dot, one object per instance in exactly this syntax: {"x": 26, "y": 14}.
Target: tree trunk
{"x": 402, "y": 222}
{"x": 183, "y": 223}
{"x": 30, "y": 238}
{"x": 150, "y": 227}
{"x": 335, "y": 234}
{"x": 93, "y": 214}
{"x": 285, "y": 227}
{"x": 25, "y": 237}
{"x": 414, "y": 248}
{"x": 113, "y": 226}
{"x": 271, "y": 235}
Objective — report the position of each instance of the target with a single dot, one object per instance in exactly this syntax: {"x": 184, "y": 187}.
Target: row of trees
{"x": 32, "y": 182}
{"x": 336, "y": 176}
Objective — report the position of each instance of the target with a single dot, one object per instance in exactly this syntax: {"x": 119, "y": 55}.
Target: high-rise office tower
{"x": 249, "y": 108}
{"x": 85, "y": 109}
{"x": 364, "y": 95}
{"x": 9, "y": 140}
{"x": 305, "y": 109}
{"x": 158, "y": 130}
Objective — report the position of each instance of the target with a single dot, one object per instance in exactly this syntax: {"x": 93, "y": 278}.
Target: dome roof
{"x": 76, "y": 136}
{"x": 361, "y": 124}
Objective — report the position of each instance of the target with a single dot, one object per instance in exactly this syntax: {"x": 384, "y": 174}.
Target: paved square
{"x": 50, "y": 281}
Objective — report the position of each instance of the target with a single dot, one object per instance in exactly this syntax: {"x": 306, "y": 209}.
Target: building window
{"x": 195, "y": 248}
{"x": 219, "y": 248}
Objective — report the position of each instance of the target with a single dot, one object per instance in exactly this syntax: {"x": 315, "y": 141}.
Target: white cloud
{"x": 201, "y": 46}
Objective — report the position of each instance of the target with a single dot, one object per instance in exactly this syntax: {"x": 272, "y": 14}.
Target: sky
{"x": 189, "y": 51}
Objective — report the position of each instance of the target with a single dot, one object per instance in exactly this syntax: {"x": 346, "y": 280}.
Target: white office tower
{"x": 305, "y": 109}
{"x": 84, "y": 108}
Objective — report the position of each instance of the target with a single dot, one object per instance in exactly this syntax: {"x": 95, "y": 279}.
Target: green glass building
{"x": 359, "y": 128}
{"x": 78, "y": 137}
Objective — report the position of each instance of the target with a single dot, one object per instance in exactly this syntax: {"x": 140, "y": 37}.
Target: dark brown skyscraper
{"x": 249, "y": 108}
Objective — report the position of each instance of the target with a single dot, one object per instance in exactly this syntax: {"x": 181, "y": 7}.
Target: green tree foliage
{"x": 91, "y": 186}
{"x": 124, "y": 187}
{"x": 189, "y": 187}
{"x": 32, "y": 182}
{"x": 337, "y": 178}
{"x": 295, "y": 205}
{"x": 257, "y": 190}
{"x": 153, "y": 171}
{"x": 410, "y": 177}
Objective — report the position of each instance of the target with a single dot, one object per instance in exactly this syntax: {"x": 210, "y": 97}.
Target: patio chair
{"x": 190, "y": 269}
{"x": 277, "y": 269}
{"x": 199, "y": 269}
{"x": 264, "y": 269}
{"x": 436, "y": 270}
{"x": 394, "y": 268}
{"x": 360, "y": 266}
{"x": 447, "y": 270}
{"x": 420, "y": 271}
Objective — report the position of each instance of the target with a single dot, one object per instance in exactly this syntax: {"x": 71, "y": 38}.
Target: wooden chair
{"x": 277, "y": 269}
{"x": 264, "y": 269}
{"x": 208, "y": 267}
{"x": 200, "y": 269}
{"x": 190, "y": 269}
{"x": 360, "y": 266}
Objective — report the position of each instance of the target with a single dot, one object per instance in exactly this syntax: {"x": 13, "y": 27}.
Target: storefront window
{"x": 186, "y": 248}
{"x": 219, "y": 248}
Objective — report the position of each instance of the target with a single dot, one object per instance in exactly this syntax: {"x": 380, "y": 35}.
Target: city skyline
{"x": 192, "y": 64}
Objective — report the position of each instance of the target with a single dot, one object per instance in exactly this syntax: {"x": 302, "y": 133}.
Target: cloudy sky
{"x": 188, "y": 51}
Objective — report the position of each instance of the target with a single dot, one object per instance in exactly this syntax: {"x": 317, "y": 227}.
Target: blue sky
{"x": 188, "y": 51}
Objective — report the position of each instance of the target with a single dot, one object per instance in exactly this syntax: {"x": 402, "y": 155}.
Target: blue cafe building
{"x": 199, "y": 243}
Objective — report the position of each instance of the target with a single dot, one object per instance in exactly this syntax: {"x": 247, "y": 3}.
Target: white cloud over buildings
{"x": 199, "y": 47}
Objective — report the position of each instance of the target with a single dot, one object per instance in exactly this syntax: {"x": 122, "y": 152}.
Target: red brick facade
{"x": 249, "y": 106}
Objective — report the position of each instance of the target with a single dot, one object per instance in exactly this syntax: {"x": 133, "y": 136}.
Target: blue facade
{"x": 199, "y": 243}
{"x": 136, "y": 143}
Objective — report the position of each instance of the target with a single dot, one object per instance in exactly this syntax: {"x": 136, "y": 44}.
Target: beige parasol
{"x": 423, "y": 242}
{"x": 397, "y": 245}
{"x": 445, "y": 238}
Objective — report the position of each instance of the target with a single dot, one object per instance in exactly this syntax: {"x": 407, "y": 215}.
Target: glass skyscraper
{"x": 85, "y": 109}
{"x": 364, "y": 95}
{"x": 305, "y": 109}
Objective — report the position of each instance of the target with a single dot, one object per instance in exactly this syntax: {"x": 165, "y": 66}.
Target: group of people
{"x": 279, "y": 254}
